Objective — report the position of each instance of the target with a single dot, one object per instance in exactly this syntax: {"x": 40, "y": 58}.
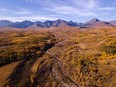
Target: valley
{"x": 57, "y": 43}
{"x": 58, "y": 57}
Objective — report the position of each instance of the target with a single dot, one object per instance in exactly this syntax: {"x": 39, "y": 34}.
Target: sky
{"x": 42, "y": 10}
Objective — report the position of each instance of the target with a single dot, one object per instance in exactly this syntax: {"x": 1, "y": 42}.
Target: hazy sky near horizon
{"x": 41, "y": 10}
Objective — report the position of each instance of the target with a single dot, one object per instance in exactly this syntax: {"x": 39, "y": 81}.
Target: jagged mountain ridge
{"x": 4, "y": 23}
{"x": 46, "y": 24}
{"x": 23, "y": 24}
{"x": 94, "y": 23}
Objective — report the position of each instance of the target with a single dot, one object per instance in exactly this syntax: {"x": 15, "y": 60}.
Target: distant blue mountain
{"x": 46, "y": 24}
{"x": 94, "y": 23}
{"x": 5, "y": 23}
{"x": 55, "y": 23}
{"x": 23, "y": 24}
{"x": 60, "y": 22}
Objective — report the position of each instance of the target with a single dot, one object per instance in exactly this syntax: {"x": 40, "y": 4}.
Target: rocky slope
{"x": 96, "y": 23}
{"x": 113, "y": 22}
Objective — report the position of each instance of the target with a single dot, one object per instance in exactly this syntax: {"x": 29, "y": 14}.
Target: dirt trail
{"x": 51, "y": 69}
{"x": 60, "y": 75}
{"x": 58, "y": 71}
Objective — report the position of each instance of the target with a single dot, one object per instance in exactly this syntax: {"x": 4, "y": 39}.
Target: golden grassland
{"x": 23, "y": 45}
{"x": 88, "y": 55}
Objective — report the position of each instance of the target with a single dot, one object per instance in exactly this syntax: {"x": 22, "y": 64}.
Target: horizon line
{"x": 51, "y": 20}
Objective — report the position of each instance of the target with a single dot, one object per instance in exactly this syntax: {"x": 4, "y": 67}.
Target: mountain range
{"x": 94, "y": 23}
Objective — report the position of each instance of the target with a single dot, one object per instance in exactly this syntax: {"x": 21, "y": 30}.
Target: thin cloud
{"x": 70, "y": 7}
{"x": 83, "y": 3}
{"x": 30, "y": 1}
{"x": 106, "y": 8}
{"x": 71, "y": 10}
{"x": 87, "y": 4}
{"x": 23, "y": 12}
{"x": 61, "y": 8}
{"x": 20, "y": 11}
{"x": 4, "y": 9}
{"x": 33, "y": 18}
